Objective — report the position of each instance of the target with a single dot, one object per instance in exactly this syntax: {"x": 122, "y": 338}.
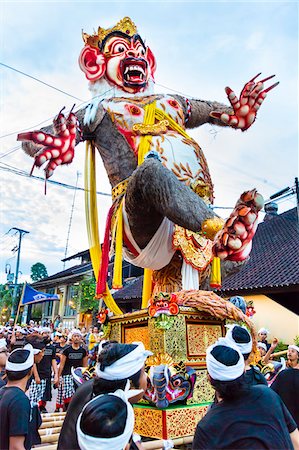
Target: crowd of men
{"x": 37, "y": 360}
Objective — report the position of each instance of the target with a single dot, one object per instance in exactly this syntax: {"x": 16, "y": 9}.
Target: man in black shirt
{"x": 286, "y": 385}
{"x": 73, "y": 356}
{"x": 245, "y": 417}
{"x": 14, "y": 404}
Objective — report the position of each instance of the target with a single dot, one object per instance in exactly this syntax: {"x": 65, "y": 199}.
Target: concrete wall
{"x": 281, "y": 322}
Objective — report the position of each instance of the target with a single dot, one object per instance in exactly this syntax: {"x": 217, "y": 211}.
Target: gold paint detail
{"x": 120, "y": 189}
{"x": 195, "y": 248}
{"x": 125, "y": 25}
{"x": 203, "y": 391}
{"x": 210, "y": 227}
{"x": 137, "y": 334}
{"x": 151, "y": 129}
{"x": 200, "y": 337}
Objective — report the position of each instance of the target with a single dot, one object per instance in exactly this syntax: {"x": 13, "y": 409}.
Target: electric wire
{"x": 40, "y": 81}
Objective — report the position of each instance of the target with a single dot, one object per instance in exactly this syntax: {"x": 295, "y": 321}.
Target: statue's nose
{"x": 133, "y": 53}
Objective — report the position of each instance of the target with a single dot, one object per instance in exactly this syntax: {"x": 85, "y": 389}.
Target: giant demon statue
{"x": 159, "y": 175}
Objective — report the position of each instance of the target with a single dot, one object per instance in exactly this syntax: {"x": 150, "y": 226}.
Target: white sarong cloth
{"x": 158, "y": 252}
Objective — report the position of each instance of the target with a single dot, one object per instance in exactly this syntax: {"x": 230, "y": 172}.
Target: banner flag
{"x": 31, "y": 296}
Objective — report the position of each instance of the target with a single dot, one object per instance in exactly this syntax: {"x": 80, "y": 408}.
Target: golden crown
{"x": 125, "y": 25}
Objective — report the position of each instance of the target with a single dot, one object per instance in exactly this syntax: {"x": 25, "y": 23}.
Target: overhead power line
{"x": 57, "y": 183}
{"x": 40, "y": 81}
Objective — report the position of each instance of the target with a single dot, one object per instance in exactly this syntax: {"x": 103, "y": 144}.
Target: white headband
{"x": 87, "y": 442}
{"x": 126, "y": 366}
{"x": 219, "y": 371}
{"x": 244, "y": 347}
{"x": 18, "y": 367}
{"x": 263, "y": 330}
{"x": 262, "y": 345}
{"x": 294, "y": 347}
{"x": 75, "y": 331}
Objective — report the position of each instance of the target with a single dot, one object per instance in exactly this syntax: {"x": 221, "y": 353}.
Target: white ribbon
{"x": 87, "y": 442}
{"x": 18, "y": 367}
{"x": 244, "y": 347}
{"x": 219, "y": 371}
{"x": 159, "y": 250}
{"x": 126, "y": 366}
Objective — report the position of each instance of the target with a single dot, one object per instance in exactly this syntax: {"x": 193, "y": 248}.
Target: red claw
{"x": 57, "y": 149}
{"x": 246, "y": 106}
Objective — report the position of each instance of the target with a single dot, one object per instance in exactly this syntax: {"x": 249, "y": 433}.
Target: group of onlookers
{"x": 246, "y": 413}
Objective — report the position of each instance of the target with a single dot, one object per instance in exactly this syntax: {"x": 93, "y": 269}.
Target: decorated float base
{"x": 178, "y": 393}
{"x": 173, "y": 422}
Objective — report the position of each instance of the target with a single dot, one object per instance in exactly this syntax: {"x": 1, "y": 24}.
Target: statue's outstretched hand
{"x": 55, "y": 149}
{"x": 245, "y": 108}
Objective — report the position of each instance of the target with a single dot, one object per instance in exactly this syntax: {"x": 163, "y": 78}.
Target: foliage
{"x": 5, "y": 302}
{"x": 296, "y": 340}
{"x": 84, "y": 299}
{"x": 38, "y": 271}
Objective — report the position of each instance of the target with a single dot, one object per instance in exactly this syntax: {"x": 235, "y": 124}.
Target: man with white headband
{"x": 240, "y": 337}
{"x": 287, "y": 383}
{"x": 117, "y": 363}
{"x": 245, "y": 416}
{"x": 74, "y": 355}
{"x": 14, "y": 404}
{"x": 114, "y": 418}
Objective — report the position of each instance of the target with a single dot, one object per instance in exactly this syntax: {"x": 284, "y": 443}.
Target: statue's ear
{"x": 152, "y": 61}
{"x": 92, "y": 63}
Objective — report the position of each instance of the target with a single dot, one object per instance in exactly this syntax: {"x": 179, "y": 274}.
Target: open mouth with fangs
{"x": 134, "y": 71}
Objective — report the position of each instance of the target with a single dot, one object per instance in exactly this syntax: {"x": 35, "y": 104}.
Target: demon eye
{"x": 177, "y": 383}
{"x": 143, "y": 52}
{"x": 120, "y": 48}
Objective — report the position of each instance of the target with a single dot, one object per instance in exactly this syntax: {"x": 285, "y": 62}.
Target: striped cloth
{"x": 36, "y": 391}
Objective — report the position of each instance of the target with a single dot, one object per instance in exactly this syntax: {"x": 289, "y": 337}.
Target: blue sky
{"x": 200, "y": 48}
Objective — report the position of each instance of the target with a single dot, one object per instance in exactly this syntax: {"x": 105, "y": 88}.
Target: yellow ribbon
{"x": 91, "y": 212}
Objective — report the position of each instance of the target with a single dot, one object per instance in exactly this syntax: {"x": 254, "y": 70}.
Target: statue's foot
{"x": 234, "y": 241}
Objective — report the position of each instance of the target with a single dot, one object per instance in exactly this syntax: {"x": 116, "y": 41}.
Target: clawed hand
{"x": 245, "y": 108}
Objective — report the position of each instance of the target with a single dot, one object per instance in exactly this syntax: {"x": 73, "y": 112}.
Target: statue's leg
{"x": 153, "y": 193}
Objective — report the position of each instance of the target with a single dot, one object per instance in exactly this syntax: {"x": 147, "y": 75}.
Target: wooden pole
{"x": 19, "y": 305}
{"x": 159, "y": 444}
{"x": 55, "y": 423}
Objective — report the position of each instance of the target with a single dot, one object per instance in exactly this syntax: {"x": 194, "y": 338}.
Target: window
{"x": 70, "y": 307}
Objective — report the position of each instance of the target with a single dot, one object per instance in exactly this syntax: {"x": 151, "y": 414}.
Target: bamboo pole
{"x": 53, "y": 418}
{"x": 53, "y": 414}
{"x": 56, "y": 423}
{"x": 48, "y": 431}
{"x": 46, "y": 447}
{"x": 49, "y": 439}
{"x": 159, "y": 444}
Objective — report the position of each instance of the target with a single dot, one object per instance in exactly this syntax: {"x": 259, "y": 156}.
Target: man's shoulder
{"x": 10, "y": 394}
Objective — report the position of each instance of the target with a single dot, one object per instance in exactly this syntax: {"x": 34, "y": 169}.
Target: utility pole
{"x": 14, "y": 297}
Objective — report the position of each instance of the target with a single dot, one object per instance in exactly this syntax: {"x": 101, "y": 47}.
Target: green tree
{"x": 84, "y": 298}
{"x": 5, "y": 303}
{"x": 38, "y": 271}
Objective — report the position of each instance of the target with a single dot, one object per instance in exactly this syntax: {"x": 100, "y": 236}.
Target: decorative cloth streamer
{"x": 190, "y": 278}
{"x": 244, "y": 347}
{"x": 126, "y": 366}
{"x": 18, "y": 367}
{"x": 219, "y": 371}
{"x": 294, "y": 347}
{"x": 215, "y": 279}
{"x": 91, "y": 212}
{"x": 87, "y": 442}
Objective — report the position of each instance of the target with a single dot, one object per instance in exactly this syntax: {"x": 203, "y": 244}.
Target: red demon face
{"x": 124, "y": 61}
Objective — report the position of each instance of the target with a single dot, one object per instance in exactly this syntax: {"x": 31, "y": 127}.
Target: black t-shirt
{"x": 14, "y": 416}
{"x": 258, "y": 420}
{"x": 74, "y": 358}
{"x": 19, "y": 343}
{"x": 44, "y": 367}
{"x": 287, "y": 387}
{"x": 254, "y": 377}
